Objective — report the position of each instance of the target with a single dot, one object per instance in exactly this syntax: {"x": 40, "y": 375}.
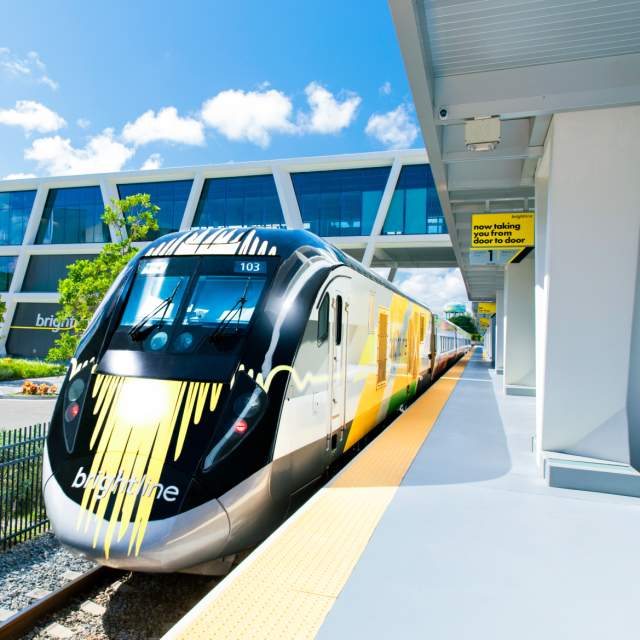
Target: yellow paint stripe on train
{"x": 288, "y": 586}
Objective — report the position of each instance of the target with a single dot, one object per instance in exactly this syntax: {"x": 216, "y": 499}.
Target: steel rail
{"x": 26, "y": 619}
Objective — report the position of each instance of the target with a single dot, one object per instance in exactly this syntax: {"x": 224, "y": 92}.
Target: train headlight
{"x": 245, "y": 413}
{"x": 76, "y": 389}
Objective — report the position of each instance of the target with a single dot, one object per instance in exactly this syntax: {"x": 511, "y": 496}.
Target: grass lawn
{"x": 17, "y": 369}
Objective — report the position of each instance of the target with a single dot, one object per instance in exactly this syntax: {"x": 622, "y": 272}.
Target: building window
{"x": 170, "y": 196}
{"x": 7, "y": 267}
{"x": 15, "y": 209}
{"x": 383, "y": 333}
{"x": 45, "y": 271}
{"x": 415, "y": 207}
{"x": 73, "y": 215}
{"x": 244, "y": 201}
{"x": 342, "y": 202}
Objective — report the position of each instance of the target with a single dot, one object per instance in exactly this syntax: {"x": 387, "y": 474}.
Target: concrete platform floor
{"x": 475, "y": 545}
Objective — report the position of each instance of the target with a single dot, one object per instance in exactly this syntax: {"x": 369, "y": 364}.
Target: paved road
{"x": 21, "y": 413}
{"x": 18, "y": 412}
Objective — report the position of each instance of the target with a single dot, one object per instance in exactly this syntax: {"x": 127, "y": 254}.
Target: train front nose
{"x": 126, "y": 518}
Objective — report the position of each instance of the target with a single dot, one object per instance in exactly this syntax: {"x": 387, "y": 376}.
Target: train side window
{"x": 383, "y": 333}
{"x": 323, "y": 319}
{"x": 338, "y": 320}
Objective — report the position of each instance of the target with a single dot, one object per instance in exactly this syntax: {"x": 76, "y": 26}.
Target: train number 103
{"x": 247, "y": 266}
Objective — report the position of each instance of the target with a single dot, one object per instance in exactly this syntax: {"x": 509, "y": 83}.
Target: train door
{"x": 338, "y": 369}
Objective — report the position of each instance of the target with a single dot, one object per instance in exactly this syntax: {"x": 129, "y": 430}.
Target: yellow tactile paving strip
{"x": 286, "y": 588}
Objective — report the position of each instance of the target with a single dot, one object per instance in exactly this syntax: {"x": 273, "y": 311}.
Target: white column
{"x": 487, "y": 343}
{"x": 109, "y": 193}
{"x": 192, "y": 202}
{"x": 541, "y": 288}
{"x": 383, "y": 209}
{"x": 590, "y": 265}
{"x": 499, "y": 320}
{"x": 288, "y": 200}
{"x": 519, "y": 329}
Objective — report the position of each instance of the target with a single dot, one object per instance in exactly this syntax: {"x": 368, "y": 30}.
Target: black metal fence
{"x": 22, "y": 513}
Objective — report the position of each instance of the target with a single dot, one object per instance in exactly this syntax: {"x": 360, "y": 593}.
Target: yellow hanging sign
{"x": 502, "y": 231}
{"x": 484, "y": 322}
{"x": 486, "y": 308}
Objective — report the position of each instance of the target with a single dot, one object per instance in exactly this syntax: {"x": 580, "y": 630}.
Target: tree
{"x": 88, "y": 281}
{"x": 465, "y": 322}
{"x": 3, "y": 310}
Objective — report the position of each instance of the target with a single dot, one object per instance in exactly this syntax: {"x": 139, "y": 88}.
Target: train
{"x": 223, "y": 374}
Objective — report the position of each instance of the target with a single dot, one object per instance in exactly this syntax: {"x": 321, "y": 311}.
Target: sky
{"x": 90, "y": 87}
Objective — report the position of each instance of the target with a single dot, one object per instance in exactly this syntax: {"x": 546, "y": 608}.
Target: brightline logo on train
{"x": 104, "y": 484}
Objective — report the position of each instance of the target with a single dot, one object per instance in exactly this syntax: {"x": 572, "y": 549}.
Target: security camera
{"x": 443, "y": 113}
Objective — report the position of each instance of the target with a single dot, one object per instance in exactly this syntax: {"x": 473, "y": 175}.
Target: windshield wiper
{"x": 228, "y": 316}
{"x": 138, "y": 332}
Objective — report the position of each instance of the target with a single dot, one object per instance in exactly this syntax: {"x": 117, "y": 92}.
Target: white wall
{"x": 519, "y": 329}
{"x": 587, "y": 281}
{"x": 499, "y": 320}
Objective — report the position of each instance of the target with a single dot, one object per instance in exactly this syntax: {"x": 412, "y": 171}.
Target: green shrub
{"x": 17, "y": 369}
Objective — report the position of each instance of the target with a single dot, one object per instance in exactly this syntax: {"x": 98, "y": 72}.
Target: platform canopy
{"x": 521, "y": 60}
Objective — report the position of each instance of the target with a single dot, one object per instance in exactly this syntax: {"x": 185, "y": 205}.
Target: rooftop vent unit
{"x": 482, "y": 134}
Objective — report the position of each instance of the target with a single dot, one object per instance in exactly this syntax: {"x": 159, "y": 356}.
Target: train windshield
{"x": 223, "y": 300}
{"x": 154, "y": 296}
{"x": 184, "y": 304}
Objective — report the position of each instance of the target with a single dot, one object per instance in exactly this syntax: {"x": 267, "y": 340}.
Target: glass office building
{"x": 47, "y": 224}
{"x": 340, "y": 202}
{"x": 241, "y": 201}
{"x": 15, "y": 209}
{"x": 170, "y": 196}
{"x": 73, "y": 215}
{"x": 415, "y": 207}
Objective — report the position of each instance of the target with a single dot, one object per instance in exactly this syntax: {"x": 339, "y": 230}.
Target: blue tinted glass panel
{"x": 242, "y": 201}
{"x": 340, "y": 203}
{"x": 171, "y": 197}
{"x": 73, "y": 215}
{"x": 415, "y": 207}
{"x": 15, "y": 209}
{"x": 7, "y": 267}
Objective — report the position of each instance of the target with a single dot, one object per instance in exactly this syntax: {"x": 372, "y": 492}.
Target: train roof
{"x": 258, "y": 241}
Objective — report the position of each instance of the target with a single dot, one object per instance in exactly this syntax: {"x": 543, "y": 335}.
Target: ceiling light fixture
{"x": 482, "y": 133}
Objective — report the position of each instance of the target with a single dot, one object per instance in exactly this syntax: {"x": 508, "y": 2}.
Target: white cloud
{"x": 252, "y": 116}
{"x": 30, "y": 67}
{"x": 328, "y": 115}
{"x": 32, "y": 116}
{"x": 434, "y": 287}
{"x": 19, "y": 176}
{"x": 154, "y": 161}
{"x": 394, "y": 129}
{"x": 385, "y": 89}
{"x": 57, "y": 156}
{"x": 83, "y": 123}
{"x": 165, "y": 126}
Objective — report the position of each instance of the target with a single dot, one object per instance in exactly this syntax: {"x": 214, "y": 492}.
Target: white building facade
{"x": 381, "y": 208}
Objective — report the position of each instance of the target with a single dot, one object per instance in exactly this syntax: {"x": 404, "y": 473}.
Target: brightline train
{"x": 225, "y": 371}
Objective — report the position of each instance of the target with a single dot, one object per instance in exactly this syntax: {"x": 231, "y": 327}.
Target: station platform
{"x": 441, "y": 528}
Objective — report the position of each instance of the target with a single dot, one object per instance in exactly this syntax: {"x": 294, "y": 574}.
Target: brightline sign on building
{"x": 502, "y": 231}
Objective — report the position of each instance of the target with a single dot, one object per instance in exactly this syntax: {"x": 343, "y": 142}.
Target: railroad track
{"x": 29, "y": 617}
